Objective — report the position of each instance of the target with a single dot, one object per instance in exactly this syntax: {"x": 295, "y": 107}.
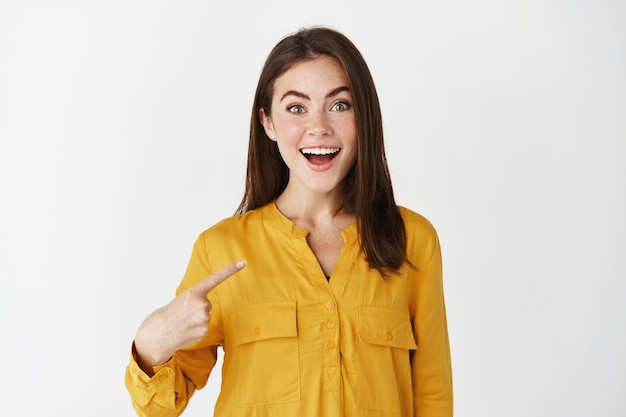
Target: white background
{"x": 123, "y": 135}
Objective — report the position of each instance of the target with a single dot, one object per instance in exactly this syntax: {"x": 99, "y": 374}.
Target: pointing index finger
{"x": 220, "y": 276}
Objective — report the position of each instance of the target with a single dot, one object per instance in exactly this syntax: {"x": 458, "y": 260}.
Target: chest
{"x": 326, "y": 245}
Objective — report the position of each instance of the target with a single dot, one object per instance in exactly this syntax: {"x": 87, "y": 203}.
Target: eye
{"x": 341, "y": 106}
{"x": 295, "y": 109}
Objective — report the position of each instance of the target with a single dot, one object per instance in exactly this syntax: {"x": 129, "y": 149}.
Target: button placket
{"x": 330, "y": 346}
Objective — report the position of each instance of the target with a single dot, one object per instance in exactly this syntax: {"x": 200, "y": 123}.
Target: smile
{"x": 320, "y": 156}
{"x": 319, "y": 151}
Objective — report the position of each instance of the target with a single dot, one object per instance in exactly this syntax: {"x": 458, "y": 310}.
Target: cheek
{"x": 349, "y": 133}
{"x": 351, "y": 140}
{"x": 288, "y": 129}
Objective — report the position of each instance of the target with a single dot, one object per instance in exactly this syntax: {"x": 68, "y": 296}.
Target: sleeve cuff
{"x": 158, "y": 388}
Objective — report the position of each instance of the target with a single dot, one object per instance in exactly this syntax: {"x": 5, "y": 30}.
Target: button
{"x": 330, "y": 346}
{"x": 256, "y": 330}
{"x": 330, "y": 325}
{"x": 389, "y": 336}
{"x": 328, "y": 306}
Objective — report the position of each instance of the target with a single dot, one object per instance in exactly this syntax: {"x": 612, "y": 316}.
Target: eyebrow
{"x": 305, "y": 97}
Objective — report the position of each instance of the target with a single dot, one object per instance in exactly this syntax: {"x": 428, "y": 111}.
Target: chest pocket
{"x": 266, "y": 353}
{"x": 383, "y": 363}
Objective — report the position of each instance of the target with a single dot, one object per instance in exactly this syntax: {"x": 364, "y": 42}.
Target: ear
{"x": 266, "y": 121}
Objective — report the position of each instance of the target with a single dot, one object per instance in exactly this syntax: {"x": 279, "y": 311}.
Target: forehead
{"x": 319, "y": 73}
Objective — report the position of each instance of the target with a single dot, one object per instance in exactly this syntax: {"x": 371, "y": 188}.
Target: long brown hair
{"x": 368, "y": 190}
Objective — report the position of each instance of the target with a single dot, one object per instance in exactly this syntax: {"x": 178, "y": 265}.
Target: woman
{"x": 336, "y": 304}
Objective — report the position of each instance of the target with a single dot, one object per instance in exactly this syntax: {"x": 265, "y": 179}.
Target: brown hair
{"x": 368, "y": 190}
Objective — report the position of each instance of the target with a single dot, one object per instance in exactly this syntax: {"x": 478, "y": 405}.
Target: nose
{"x": 320, "y": 125}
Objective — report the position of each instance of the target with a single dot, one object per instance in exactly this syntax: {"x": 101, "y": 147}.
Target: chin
{"x": 325, "y": 188}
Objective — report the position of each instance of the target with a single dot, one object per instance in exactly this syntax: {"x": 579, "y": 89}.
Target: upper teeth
{"x": 319, "y": 151}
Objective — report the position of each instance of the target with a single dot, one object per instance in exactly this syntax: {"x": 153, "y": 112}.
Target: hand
{"x": 181, "y": 322}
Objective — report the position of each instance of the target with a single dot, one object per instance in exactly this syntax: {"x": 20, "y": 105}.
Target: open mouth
{"x": 320, "y": 156}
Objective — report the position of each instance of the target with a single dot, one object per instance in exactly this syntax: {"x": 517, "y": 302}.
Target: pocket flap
{"x": 385, "y": 327}
{"x": 262, "y": 321}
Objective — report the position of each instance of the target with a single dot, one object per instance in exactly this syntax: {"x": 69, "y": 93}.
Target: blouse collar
{"x": 282, "y": 223}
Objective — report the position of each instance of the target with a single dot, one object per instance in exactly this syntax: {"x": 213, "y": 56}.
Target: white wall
{"x": 123, "y": 133}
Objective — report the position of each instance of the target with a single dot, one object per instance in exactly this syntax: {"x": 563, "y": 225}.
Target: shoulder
{"x": 415, "y": 223}
{"x": 420, "y": 233}
{"x": 234, "y": 225}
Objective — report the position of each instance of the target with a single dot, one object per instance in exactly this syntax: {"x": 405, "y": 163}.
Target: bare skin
{"x": 324, "y": 228}
{"x": 326, "y": 245}
{"x": 181, "y": 322}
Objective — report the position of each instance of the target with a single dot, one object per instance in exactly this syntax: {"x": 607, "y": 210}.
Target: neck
{"x": 309, "y": 210}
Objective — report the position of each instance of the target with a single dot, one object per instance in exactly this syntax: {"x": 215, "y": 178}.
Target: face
{"x": 312, "y": 121}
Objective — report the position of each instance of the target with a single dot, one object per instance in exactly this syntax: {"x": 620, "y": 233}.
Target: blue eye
{"x": 341, "y": 106}
{"x": 295, "y": 109}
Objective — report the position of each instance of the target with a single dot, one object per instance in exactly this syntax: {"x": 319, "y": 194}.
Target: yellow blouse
{"x": 297, "y": 345}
